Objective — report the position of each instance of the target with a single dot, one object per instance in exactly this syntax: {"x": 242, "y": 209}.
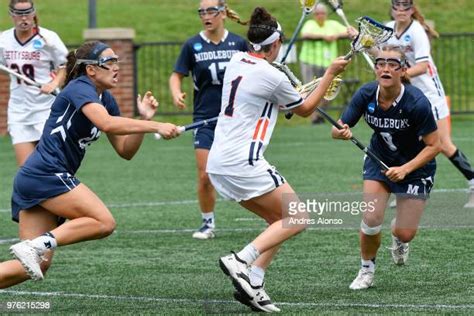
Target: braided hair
{"x": 231, "y": 14}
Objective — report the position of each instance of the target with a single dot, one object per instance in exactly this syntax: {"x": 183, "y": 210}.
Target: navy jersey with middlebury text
{"x": 68, "y": 132}
{"x": 398, "y": 131}
{"x": 207, "y": 62}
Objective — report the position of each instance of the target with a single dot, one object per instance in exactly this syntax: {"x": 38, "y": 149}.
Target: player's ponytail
{"x": 420, "y": 18}
{"x": 231, "y": 14}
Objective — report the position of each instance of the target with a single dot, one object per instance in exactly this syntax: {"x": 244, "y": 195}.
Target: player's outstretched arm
{"x": 119, "y": 129}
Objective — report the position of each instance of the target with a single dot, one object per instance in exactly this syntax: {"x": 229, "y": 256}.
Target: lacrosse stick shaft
{"x": 294, "y": 36}
{"x": 23, "y": 78}
{"x": 191, "y": 126}
{"x": 308, "y": 7}
{"x": 366, "y": 150}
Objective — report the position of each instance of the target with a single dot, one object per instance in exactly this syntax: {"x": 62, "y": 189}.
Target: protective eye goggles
{"x": 22, "y": 12}
{"x": 402, "y": 5}
{"x": 392, "y": 63}
{"x": 212, "y": 11}
{"x": 103, "y": 62}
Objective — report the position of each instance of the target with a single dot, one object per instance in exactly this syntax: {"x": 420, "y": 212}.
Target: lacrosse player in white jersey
{"x": 253, "y": 92}
{"x": 38, "y": 54}
{"x": 413, "y": 35}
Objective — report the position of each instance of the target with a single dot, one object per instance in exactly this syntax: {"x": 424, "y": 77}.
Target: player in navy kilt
{"x": 206, "y": 56}
{"x": 406, "y": 139}
{"x": 46, "y": 190}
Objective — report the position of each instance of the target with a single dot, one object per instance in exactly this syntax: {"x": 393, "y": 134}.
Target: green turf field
{"x": 151, "y": 265}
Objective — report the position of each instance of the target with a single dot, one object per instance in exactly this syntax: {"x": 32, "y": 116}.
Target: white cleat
{"x": 233, "y": 266}
{"x": 400, "y": 251}
{"x": 364, "y": 280}
{"x": 238, "y": 271}
{"x": 470, "y": 202}
{"x": 29, "y": 257}
{"x": 254, "y": 296}
{"x": 205, "y": 232}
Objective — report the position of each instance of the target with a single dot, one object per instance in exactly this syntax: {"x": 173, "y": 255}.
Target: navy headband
{"x": 97, "y": 50}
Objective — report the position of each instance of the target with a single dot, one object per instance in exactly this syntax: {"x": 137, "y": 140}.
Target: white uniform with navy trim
{"x": 417, "y": 48}
{"x": 35, "y": 58}
{"x": 252, "y": 94}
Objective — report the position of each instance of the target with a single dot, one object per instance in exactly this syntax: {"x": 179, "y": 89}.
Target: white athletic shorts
{"x": 245, "y": 188}
{"x": 439, "y": 106}
{"x": 21, "y": 133}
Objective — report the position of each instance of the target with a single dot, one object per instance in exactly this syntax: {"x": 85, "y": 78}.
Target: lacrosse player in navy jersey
{"x": 206, "y": 56}
{"x": 45, "y": 189}
{"x": 406, "y": 139}
{"x": 413, "y": 35}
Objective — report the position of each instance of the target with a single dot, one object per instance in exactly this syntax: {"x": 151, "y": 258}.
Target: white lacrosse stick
{"x": 25, "y": 78}
{"x": 191, "y": 126}
{"x": 307, "y": 88}
{"x": 337, "y": 7}
{"x": 308, "y": 7}
{"x": 371, "y": 34}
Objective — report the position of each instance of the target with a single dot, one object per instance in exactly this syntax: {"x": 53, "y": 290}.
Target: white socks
{"x": 256, "y": 276}
{"x": 45, "y": 242}
{"x": 368, "y": 264}
{"x": 249, "y": 254}
{"x": 208, "y": 219}
{"x": 471, "y": 184}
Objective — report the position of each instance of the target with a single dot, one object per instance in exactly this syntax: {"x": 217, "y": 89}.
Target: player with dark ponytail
{"x": 253, "y": 93}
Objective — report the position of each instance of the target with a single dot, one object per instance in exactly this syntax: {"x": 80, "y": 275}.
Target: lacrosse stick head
{"x": 308, "y": 5}
{"x": 335, "y": 4}
{"x": 371, "y": 33}
{"x": 331, "y": 92}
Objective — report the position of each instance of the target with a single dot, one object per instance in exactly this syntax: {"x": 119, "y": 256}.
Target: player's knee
{"x": 107, "y": 226}
{"x": 370, "y": 230}
{"x": 405, "y": 235}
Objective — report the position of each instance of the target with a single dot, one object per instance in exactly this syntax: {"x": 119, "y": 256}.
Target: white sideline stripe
{"x": 207, "y": 301}
{"x": 8, "y": 240}
{"x": 250, "y": 229}
{"x": 187, "y": 202}
{"x": 259, "y": 229}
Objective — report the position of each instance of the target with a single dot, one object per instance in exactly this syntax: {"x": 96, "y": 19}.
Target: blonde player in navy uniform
{"x": 411, "y": 34}
{"x": 253, "y": 92}
{"x": 39, "y": 54}
{"x": 45, "y": 189}
{"x": 206, "y": 56}
{"x": 406, "y": 139}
